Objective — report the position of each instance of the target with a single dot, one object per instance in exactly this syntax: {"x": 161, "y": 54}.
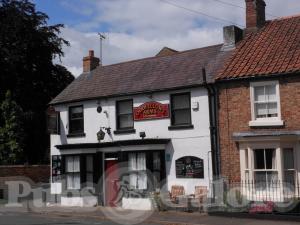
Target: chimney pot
{"x": 91, "y": 53}
{"x": 255, "y": 14}
{"x": 90, "y": 62}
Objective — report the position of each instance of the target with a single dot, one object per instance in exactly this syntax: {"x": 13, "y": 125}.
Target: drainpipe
{"x": 213, "y": 122}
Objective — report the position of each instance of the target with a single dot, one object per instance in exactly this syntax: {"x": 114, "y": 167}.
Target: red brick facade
{"x": 235, "y": 114}
{"x": 37, "y": 173}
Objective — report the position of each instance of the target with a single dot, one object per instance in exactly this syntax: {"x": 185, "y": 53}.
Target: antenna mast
{"x": 102, "y": 36}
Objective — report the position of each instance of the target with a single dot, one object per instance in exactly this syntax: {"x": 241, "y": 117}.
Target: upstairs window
{"x": 124, "y": 114}
{"x": 181, "y": 109}
{"x": 265, "y": 103}
{"x": 76, "y": 120}
{"x": 53, "y": 121}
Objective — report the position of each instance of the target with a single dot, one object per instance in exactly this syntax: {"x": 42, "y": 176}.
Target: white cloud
{"x": 140, "y": 28}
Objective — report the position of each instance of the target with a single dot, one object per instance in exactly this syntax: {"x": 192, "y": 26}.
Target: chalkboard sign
{"x": 56, "y": 168}
{"x": 189, "y": 167}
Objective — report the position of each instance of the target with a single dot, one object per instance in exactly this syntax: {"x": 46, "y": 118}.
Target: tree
{"x": 11, "y": 132}
{"x": 28, "y": 46}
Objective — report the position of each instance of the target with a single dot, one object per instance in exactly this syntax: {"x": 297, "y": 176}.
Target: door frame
{"x": 104, "y": 174}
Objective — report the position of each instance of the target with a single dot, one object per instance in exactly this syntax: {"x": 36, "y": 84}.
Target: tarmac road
{"x": 28, "y": 218}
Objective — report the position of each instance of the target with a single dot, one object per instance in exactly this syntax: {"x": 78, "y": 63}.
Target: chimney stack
{"x": 90, "y": 62}
{"x": 255, "y": 15}
{"x": 231, "y": 36}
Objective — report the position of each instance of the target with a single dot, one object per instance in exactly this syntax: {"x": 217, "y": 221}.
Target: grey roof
{"x": 182, "y": 69}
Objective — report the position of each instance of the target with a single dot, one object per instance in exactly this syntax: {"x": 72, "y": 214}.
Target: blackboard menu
{"x": 56, "y": 168}
{"x": 189, "y": 167}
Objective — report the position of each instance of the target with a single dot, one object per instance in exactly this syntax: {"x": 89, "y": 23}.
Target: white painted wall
{"x": 88, "y": 201}
{"x": 187, "y": 142}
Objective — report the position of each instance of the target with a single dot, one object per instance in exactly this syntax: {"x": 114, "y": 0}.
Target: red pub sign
{"x": 151, "y": 110}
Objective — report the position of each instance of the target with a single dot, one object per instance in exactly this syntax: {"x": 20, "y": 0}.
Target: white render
{"x": 137, "y": 204}
{"x": 186, "y": 142}
{"x": 88, "y": 201}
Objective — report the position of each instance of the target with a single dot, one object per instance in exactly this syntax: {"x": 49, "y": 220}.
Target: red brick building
{"x": 259, "y": 101}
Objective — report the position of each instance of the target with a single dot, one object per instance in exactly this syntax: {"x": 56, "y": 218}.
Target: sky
{"x": 140, "y": 28}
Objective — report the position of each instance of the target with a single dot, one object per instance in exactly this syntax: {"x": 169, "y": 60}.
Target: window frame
{"x": 54, "y": 117}
{"x": 265, "y": 170}
{"x": 118, "y": 128}
{"x": 285, "y": 170}
{"x": 87, "y": 172}
{"x": 73, "y": 173}
{"x": 172, "y": 109}
{"x": 267, "y": 121}
{"x": 70, "y": 132}
{"x": 149, "y": 171}
{"x": 139, "y": 172}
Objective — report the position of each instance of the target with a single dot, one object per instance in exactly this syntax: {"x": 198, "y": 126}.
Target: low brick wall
{"x": 37, "y": 173}
{"x": 33, "y": 174}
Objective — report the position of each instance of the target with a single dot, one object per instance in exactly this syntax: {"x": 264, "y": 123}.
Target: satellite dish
{"x": 99, "y": 109}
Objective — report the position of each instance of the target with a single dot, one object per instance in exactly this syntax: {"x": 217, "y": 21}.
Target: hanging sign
{"x": 151, "y": 110}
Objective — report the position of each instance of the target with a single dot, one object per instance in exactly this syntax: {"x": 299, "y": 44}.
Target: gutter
{"x": 258, "y": 77}
{"x": 213, "y": 122}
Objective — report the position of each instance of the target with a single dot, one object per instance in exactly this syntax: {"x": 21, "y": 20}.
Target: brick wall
{"x": 235, "y": 114}
{"x": 37, "y": 173}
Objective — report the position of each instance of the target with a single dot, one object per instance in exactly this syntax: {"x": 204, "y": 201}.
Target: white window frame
{"x": 138, "y": 172}
{"x": 265, "y": 170}
{"x": 294, "y": 169}
{"x": 72, "y": 173}
{"x": 280, "y": 146}
{"x": 270, "y": 121}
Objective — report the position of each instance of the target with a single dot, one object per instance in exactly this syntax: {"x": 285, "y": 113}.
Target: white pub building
{"x": 141, "y": 126}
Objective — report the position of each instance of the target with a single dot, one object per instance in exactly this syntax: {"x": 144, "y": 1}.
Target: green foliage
{"x": 11, "y": 131}
{"x": 28, "y": 47}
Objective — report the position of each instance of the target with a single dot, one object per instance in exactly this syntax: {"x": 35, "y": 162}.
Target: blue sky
{"x": 70, "y": 12}
{"x": 140, "y": 28}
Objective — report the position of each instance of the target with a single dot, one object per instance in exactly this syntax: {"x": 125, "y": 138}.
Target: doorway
{"x": 111, "y": 182}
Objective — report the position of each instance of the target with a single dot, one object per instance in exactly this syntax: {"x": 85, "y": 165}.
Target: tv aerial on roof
{"x": 102, "y": 36}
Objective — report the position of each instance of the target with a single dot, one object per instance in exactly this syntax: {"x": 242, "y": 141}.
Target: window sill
{"x": 266, "y": 123}
{"x": 76, "y": 135}
{"x": 181, "y": 127}
{"x": 125, "y": 131}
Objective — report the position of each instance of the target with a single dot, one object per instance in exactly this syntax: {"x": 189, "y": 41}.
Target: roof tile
{"x": 274, "y": 49}
{"x": 178, "y": 70}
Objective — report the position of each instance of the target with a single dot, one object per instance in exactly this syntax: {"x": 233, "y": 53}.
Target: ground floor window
{"x": 137, "y": 170}
{"x": 156, "y": 170}
{"x": 146, "y": 170}
{"x": 89, "y": 170}
{"x": 73, "y": 172}
{"x": 265, "y": 170}
{"x": 288, "y": 165}
{"x": 269, "y": 168}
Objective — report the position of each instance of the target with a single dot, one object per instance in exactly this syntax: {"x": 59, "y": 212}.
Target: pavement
{"x": 72, "y": 216}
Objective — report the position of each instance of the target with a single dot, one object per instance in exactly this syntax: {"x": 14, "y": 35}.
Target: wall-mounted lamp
{"x": 142, "y": 134}
{"x": 100, "y": 135}
{"x": 99, "y": 108}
